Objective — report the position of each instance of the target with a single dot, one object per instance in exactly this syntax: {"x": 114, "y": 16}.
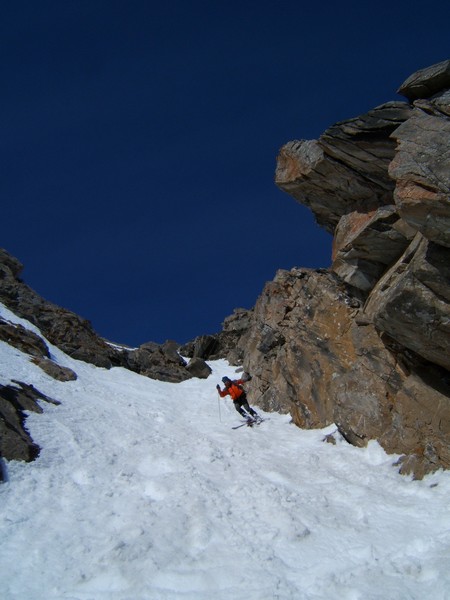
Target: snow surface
{"x": 142, "y": 491}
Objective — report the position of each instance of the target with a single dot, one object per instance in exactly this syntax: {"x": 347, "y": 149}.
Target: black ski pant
{"x": 241, "y": 403}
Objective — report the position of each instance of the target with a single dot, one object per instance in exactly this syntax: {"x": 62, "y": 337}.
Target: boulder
{"x": 29, "y": 342}
{"x": 197, "y": 367}
{"x": 426, "y": 82}
{"x": 56, "y": 371}
{"x": 157, "y": 361}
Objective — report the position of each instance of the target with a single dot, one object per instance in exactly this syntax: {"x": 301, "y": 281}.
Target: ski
{"x": 241, "y": 425}
{"x": 249, "y": 423}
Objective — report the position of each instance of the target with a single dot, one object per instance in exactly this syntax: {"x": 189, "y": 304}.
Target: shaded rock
{"x": 426, "y": 82}
{"x": 3, "y": 471}
{"x": 15, "y": 440}
{"x": 29, "y": 342}
{"x": 346, "y": 170}
{"x": 411, "y": 302}
{"x": 365, "y": 244}
{"x": 235, "y": 327}
{"x": 225, "y": 344}
{"x": 13, "y": 264}
{"x": 204, "y": 346}
{"x": 160, "y": 362}
{"x": 197, "y": 367}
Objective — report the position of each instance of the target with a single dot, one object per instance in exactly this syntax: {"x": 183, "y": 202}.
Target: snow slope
{"x": 143, "y": 491}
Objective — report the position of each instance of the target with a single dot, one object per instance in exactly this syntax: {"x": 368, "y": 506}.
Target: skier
{"x": 239, "y": 397}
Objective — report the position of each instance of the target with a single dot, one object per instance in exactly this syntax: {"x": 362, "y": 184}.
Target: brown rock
{"x": 311, "y": 354}
{"x": 346, "y": 170}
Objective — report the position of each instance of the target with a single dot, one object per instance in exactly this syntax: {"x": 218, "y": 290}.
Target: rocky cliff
{"x": 365, "y": 343}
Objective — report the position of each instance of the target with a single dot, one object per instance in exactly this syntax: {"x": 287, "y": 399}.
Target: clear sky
{"x": 139, "y": 141}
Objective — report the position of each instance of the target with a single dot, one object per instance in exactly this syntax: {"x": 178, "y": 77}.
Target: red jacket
{"x": 234, "y": 390}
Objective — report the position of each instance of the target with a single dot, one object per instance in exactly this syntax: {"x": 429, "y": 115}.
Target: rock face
{"x": 366, "y": 343}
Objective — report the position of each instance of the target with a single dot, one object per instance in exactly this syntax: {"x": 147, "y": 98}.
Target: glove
{"x": 218, "y": 387}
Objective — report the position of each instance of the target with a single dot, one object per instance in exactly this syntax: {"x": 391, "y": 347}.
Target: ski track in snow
{"x": 142, "y": 491}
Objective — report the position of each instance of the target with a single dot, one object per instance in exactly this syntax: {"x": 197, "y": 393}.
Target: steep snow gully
{"x": 142, "y": 491}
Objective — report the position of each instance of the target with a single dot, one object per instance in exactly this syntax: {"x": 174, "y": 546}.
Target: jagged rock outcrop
{"x": 366, "y": 343}
{"x": 346, "y": 170}
{"x": 225, "y": 343}
{"x": 29, "y": 342}
{"x": 313, "y": 352}
{"x": 61, "y": 327}
{"x": 158, "y": 361}
{"x": 426, "y": 82}
{"x": 25, "y": 340}
{"x": 15, "y": 440}
{"x": 75, "y": 335}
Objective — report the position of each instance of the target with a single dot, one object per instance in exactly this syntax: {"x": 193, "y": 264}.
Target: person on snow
{"x": 238, "y": 395}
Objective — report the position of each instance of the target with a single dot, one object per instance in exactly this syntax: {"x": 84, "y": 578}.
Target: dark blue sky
{"x": 139, "y": 140}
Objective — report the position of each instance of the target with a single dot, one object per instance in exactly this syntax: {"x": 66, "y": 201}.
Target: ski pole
{"x": 218, "y": 402}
